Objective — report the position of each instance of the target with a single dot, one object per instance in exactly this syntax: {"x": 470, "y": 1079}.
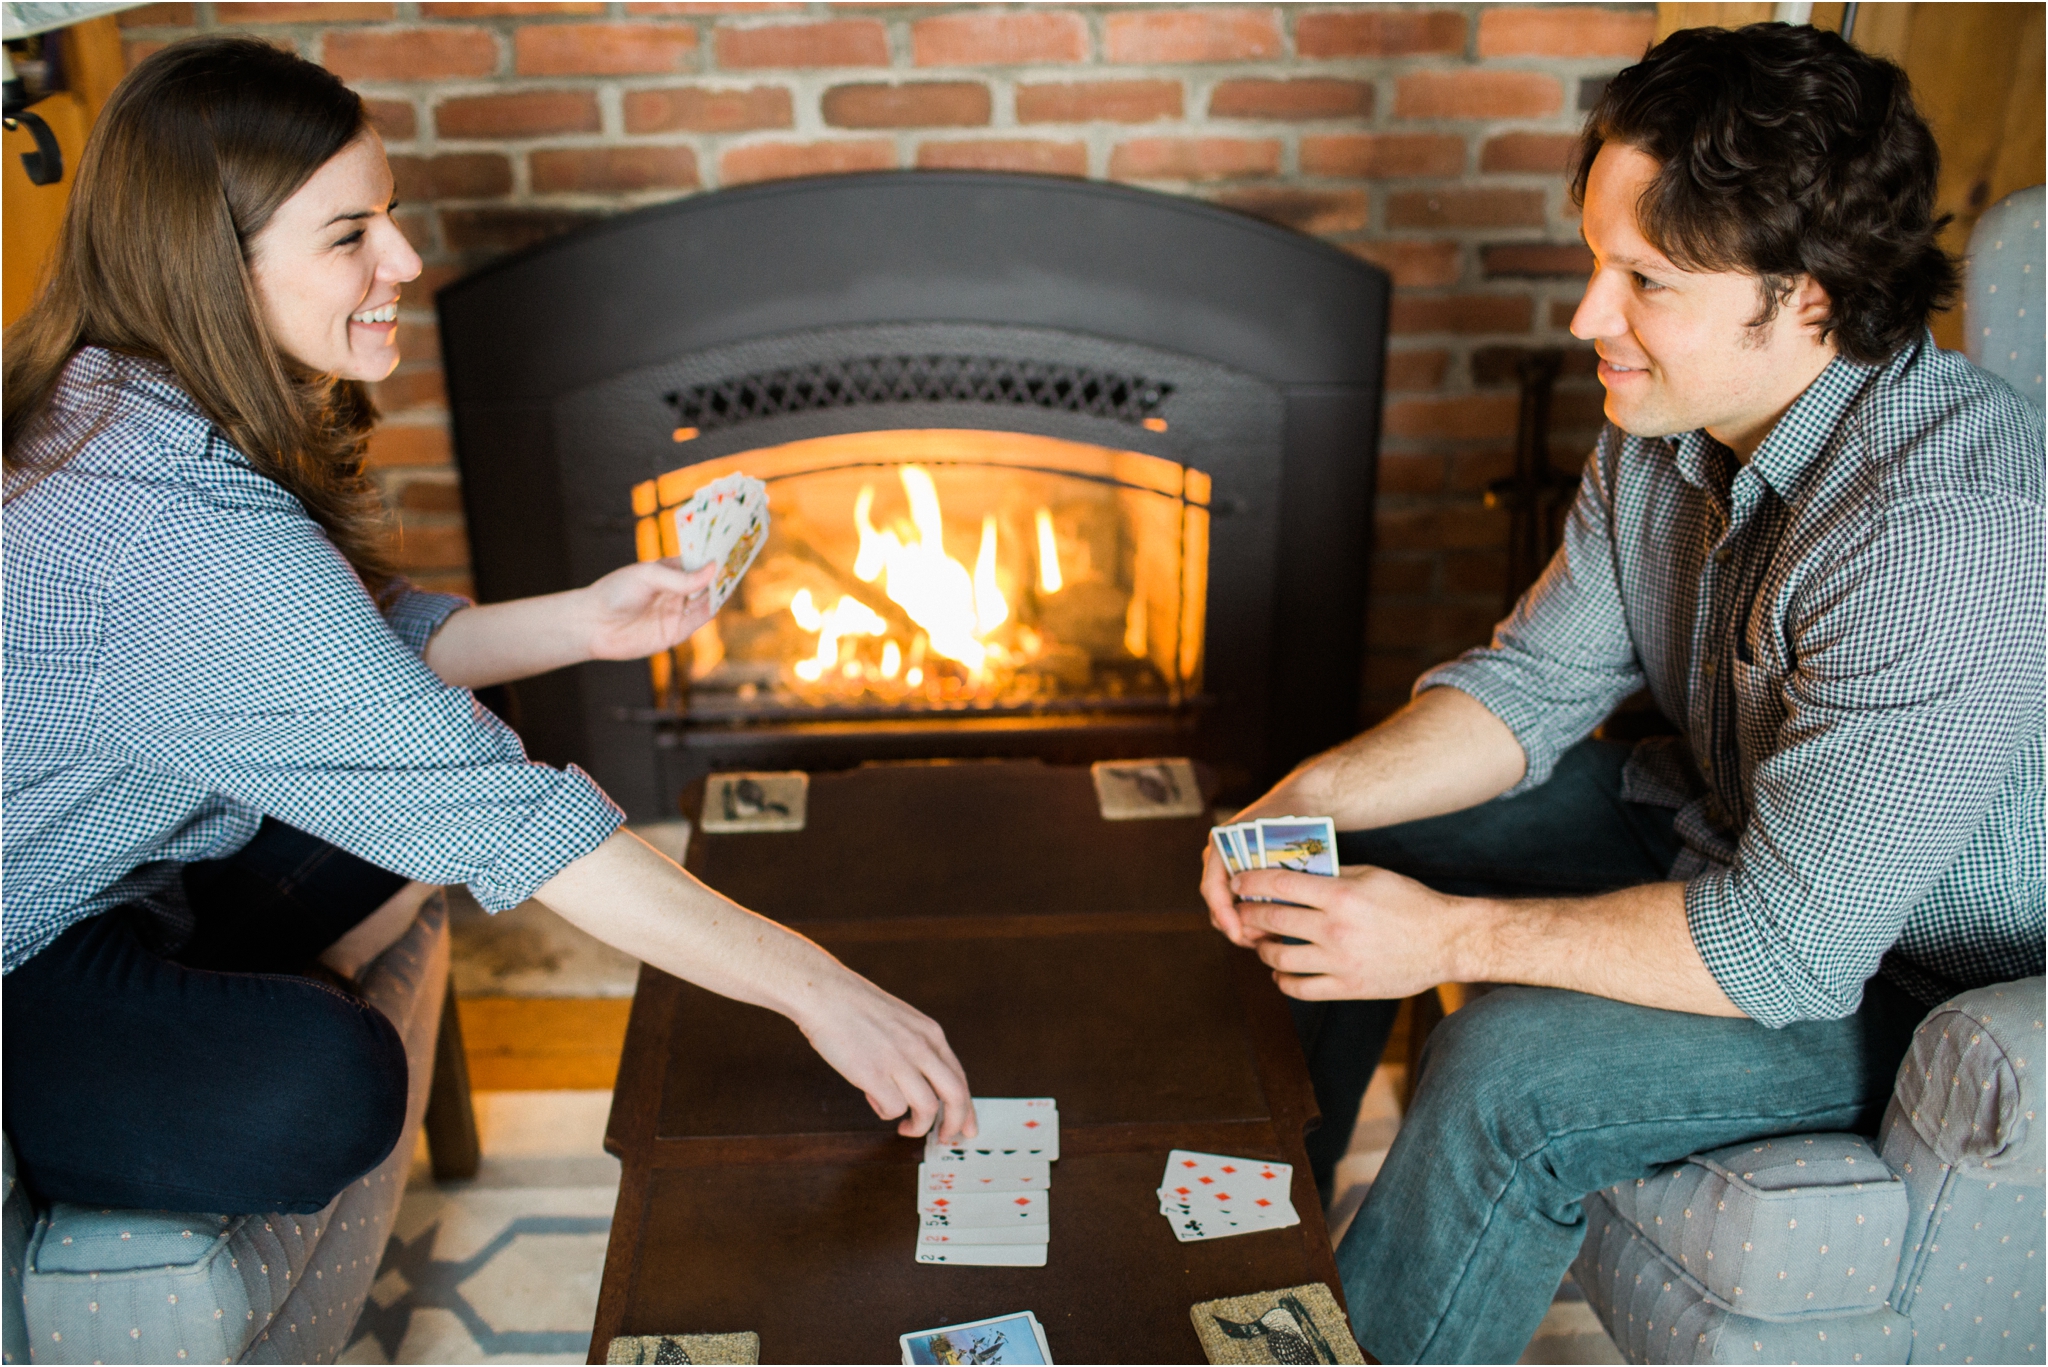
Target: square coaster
{"x": 1142, "y": 789}
{"x": 1294, "y": 1324}
{"x": 736, "y": 803}
{"x": 685, "y": 1348}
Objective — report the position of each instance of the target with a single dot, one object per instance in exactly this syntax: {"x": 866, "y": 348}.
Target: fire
{"x": 848, "y": 617}
{"x": 1049, "y": 580}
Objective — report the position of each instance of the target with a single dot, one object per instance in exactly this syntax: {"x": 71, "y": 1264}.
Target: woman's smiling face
{"x": 328, "y": 265}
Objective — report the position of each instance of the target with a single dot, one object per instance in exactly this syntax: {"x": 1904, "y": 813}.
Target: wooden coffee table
{"x": 1066, "y": 956}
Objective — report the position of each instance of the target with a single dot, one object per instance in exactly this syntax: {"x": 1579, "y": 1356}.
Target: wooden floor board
{"x": 543, "y": 1043}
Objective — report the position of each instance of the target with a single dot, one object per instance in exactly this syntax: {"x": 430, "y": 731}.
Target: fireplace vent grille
{"x": 863, "y": 380}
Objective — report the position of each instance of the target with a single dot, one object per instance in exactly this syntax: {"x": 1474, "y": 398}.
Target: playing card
{"x": 1138, "y": 789}
{"x": 985, "y": 1255}
{"x": 736, "y": 803}
{"x": 725, "y": 521}
{"x": 983, "y": 1209}
{"x": 1002, "y": 1339}
{"x": 1294, "y": 1324}
{"x": 1226, "y": 849}
{"x": 1009, "y": 1127}
{"x": 945, "y": 1236}
{"x": 986, "y": 1174}
{"x": 1208, "y": 1195}
{"x": 1305, "y": 844}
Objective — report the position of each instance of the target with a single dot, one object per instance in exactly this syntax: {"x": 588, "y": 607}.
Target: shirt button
{"x": 1724, "y": 555}
{"x": 1710, "y": 669}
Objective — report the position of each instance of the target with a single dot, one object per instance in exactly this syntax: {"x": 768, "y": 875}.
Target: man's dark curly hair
{"x": 1783, "y": 151}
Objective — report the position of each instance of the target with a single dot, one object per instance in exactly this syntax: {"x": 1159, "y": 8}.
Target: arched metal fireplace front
{"x": 1156, "y": 419}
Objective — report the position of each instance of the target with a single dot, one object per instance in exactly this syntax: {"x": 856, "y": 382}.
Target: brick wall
{"x": 1427, "y": 139}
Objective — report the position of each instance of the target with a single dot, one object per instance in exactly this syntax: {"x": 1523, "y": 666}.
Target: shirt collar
{"x": 1792, "y": 443}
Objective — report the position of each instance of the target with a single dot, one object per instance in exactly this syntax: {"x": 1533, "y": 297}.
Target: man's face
{"x": 1677, "y": 351}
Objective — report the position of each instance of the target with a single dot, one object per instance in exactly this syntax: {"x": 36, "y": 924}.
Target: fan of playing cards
{"x": 1305, "y": 844}
{"x": 987, "y": 1201}
{"x": 1213, "y": 1196}
{"x": 725, "y": 521}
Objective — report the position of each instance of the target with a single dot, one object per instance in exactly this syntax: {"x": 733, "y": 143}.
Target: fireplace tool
{"x": 45, "y": 165}
{"x": 1536, "y": 494}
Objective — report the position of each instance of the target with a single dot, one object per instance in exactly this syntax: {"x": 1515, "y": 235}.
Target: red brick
{"x": 411, "y": 387}
{"x": 1565, "y": 31}
{"x": 1477, "y": 571}
{"x": 134, "y": 50}
{"x": 1414, "y": 265}
{"x": 418, "y": 341}
{"x": 455, "y": 175}
{"x": 781, "y": 160}
{"x": 918, "y": 104}
{"x": 1561, "y": 312}
{"x": 1416, "y": 369}
{"x": 1383, "y": 154}
{"x": 1308, "y": 211}
{"x": 1402, "y": 573}
{"x": 517, "y": 114}
{"x": 1194, "y": 158}
{"x": 1460, "y": 416}
{"x": 433, "y": 279}
{"x": 736, "y": 7}
{"x": 1473, "y": 470}
{"x": 415, "y": 221}
{"x": 433, "y": 548}
{"x": 1461, "y": 313}
{"x": 1462, "y": 207}
{"x": 1537, "y": 258}
{"x": 698, "y": 110}
{"x": 232, "y": 14}
{"x": 613, "y": 169}
{"x": 1477, "y": 95}
{"x": 430, "y": 496}
{"x": 833, "y": 42}
{"x": 1380, "y": 33}
{"x": 1212, "y": 34}
{"x": 459, "y": 584}
{"x": 394, "y": 120}
{"x": 1496, "y": 364}
{"x": 159, "y": 16}
{"x": 1305, "y": 98}
{"x": 1405, "y": 472}
{"x": 1467, "y": 528}
{"x": 1546, "y": 153}
{"x": 1108, "y": 101}
{"x": 494, "y": 229}
{"x": 1578, "y": 408}
{"x": 395, "y": 444}
{"x": 601, "y": 49}
{"x": 409, "y": 54}
{"x": 1006, "y": 154}
{"x": 999, "y": 38}
{"x": 512, "y": 9}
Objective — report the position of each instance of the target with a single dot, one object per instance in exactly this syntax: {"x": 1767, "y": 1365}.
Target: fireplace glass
{"x": 937, "y": 571}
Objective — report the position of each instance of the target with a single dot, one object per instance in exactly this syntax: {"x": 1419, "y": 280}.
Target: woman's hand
{"x": 894, "y": 1053}
{"x": 645, "y": 608}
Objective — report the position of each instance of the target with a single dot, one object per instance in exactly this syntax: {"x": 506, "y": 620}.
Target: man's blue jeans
{"x": 1531, "y": 1097}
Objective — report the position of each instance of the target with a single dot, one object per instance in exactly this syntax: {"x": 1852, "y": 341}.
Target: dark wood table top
{"x": 1066, "y": 956}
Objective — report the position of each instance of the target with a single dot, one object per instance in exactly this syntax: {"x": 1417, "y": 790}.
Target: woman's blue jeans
{"x": 1531, "y": 1097}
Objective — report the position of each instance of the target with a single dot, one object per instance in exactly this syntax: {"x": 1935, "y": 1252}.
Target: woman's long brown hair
{"x": 191, "y": 157}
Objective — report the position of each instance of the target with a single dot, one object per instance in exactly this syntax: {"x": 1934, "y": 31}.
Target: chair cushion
{"x": 2002, "y": 296}
{"x": 1970, "y": 1086}
{"x": 1777, "y": 1228}
{"x": 164, "y": 1286}
{"x": 1657, "y": 1312}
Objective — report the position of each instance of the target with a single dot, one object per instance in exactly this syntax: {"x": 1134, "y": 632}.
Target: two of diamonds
{"x": 987, "y": 1201}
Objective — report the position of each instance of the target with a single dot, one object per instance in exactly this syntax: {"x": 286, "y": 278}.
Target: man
{"x": 1817, "y": 540}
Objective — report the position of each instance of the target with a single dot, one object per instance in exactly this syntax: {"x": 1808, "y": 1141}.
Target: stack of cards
{"x": 1305, "y": 844}
{"x": 987, "y": 1201}
{"x": 725, "y": 521}
{"x": 1005, "y": 1338}
{"x": 1213, "y": 1196}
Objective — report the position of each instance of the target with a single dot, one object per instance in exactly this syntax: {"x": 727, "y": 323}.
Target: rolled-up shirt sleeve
{"x": 240, "y": 652}
{"x": 1907, "y": 695}
{"x": 1563, "y": 659}
{"x": 415, "y": 614}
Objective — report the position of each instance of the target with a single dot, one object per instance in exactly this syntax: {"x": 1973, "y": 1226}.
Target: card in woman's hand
{"x": 726, "y": 522}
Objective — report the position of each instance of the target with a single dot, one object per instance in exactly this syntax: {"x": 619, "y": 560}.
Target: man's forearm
{"x": 1633, "y": 945}
{"x": 1441, "y": 753}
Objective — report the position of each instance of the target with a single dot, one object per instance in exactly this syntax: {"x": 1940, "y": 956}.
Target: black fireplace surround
{"x": 1065, "y": 308}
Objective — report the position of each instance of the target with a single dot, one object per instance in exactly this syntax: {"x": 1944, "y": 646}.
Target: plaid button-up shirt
{"x": 1848, "y": 633}
{"x": 187, "y": 653}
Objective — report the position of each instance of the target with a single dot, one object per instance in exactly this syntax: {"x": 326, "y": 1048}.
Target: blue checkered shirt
{"x": 187, "y": 653}
{"x": 1848, "y": 633}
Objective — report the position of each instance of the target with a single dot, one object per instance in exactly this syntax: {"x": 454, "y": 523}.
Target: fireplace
{"x": 1057, "y": 468}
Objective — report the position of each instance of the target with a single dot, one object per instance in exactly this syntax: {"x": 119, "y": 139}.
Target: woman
{"x": 233, "y": 735}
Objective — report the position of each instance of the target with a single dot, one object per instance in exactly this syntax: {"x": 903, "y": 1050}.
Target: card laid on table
{"x": 725, "y": 521}
{"x": 1009, "y": 1127}
{"x": 945, "y": 1236}
{"x": 990, "y": 1174}
{"x": 984, "y": 1255}
{"x": 1003, "y": 1338}
{"x": 1212, "y": 1196}
{"x": 981, "y": 1209}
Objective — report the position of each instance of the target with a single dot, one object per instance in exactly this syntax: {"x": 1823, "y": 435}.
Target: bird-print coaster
{"x": 1296, "y": 1324}
{"x": 685, "y": 1348}
{"x": 1140, "y": 789}
{"x": 755, "y": 802}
